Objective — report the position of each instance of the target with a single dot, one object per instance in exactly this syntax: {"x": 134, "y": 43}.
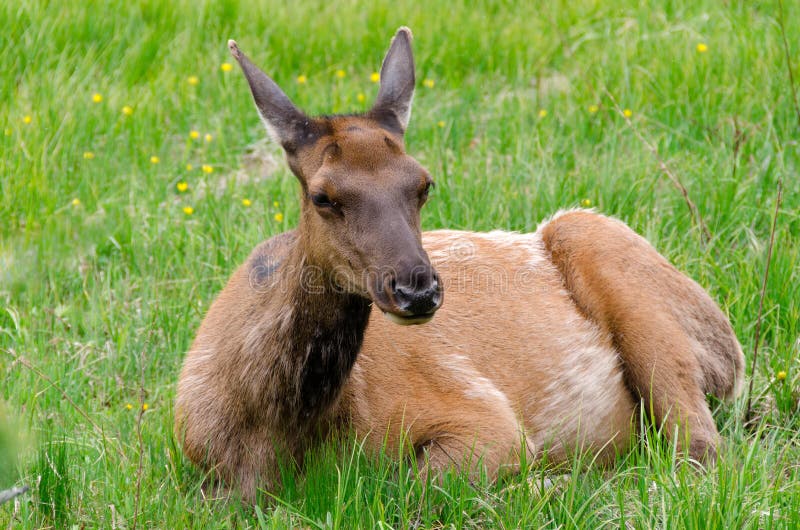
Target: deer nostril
{"x": 417, "y": 299}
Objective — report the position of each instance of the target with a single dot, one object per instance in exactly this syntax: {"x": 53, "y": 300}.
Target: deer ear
{"x": 286, "y": 124}
{"x": 393, "y": 105}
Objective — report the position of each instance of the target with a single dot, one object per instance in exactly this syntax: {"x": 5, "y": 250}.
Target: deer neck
{"x": 319, "y": 341}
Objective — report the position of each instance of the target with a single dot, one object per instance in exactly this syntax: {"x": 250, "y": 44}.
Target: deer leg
{"x": 241, "y": 464}
{"x": 662, "y": 372}
{"x": 674, "y": 342}
{"x": 481, "y": 437}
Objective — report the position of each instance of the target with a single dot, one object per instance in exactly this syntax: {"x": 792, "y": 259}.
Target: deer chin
{"x": 409, "y": 320}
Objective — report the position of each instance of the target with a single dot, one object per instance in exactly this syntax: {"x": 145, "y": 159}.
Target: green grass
{"x": 100, "y": 297}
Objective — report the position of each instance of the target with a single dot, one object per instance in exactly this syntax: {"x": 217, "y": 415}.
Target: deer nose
{"x": 419, "y": 294}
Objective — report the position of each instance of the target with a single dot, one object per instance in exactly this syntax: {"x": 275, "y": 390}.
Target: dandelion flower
{"x": 27, "y": 119}
{"x": 189, "y": 167}
{"x": 361, "y": 97}
{"x": 76, "y": 202}
{"x": 279, "y": 217}
{"x": 193, "y": 80}
{"x": 301, "y": 79}
{"x": 627, "y": 113}
{"x": 97, "y": 98}
{"x": 145, "y": 406}
{"x": 340, "y": 74}
{"x": 246, "y": 202}
{"x": 209, "y": 138}
{"x": 593, "y": 109}
{"x": 780, "y": 376}
{"x": 127, "y": 110}
{"x": 440, "y": 123}
{"x": 194, "y": 135}
{"x": 182, "y": 186}
{"x": 428, "y": 83}
{"x": 702, "y": 48}
{"x": 128, "y": 406}
{"x": 542, "y": 113}
{"x": 375, "y": 77}
{"x": 207, "y": 168}
{"x": 275, "y": 204}
{"x": 226, "y": 67}
{"x": 188, "y": 210}
{"x": 154, "y": 159}
{"x": 88, "y": 155}
{"x": 586, "y": 203}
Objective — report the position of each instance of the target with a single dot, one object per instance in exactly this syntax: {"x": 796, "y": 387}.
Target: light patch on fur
{"x": 194, "y": 381}
{"x": 459, "y": 368}
{"x": 446, "y": 245}
{"x": 404, "y": 116}
{"x": 271, "y": 131}
{"x": 586, "y": 391}
{"x": 563, "y": 212}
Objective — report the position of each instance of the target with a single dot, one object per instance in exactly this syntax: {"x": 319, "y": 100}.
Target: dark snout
{"x": 418, "y": 292}
{"x": 411, "y": 294}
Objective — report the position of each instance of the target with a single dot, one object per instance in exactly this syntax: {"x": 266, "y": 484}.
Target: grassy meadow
{"x": 135, "y": 175}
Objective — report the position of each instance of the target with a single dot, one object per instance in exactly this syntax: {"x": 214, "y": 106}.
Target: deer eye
{"x": 423, "y": 196}
{"x": 321, "y": 200}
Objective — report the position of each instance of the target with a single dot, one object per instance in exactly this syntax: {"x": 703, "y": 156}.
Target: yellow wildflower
{"x": 375, "y": 77}
{"x": 127, "y": 110}
{"x": 702, "y": 48}
{"x": 194, "y": 135}
{"x": 88, "y": 155}
{"x": 279, "y": 217}
{"x": 627, "y": 113}
{"x": 593, "y": 109}
{"x": 97, "y": 98}
{"x": 76, "y": 202}
{"x": 207, "y": 168}
{"x": 182, "y": 186}
{"x": 226, "y": 67}
{"x": 154, "y": 159}
{"x": 246, "y": 202}
{"x": 542, "y": 113}
{"x": 428, "y": 83}
{"x": 586, "y": 203}
{"x": 189, "y": 167}
{"x": 193, "y": 80}
{"x": 361, "y": 97}
{"x": 301, "y": 79}
{"x": 145, "y": 406}
{"x": 27, "y": 119}
{"x": 128, "y": 406}
{"x": 209, "y": 138}
{"x": 440, "y": 123}
{"x": 275, "y": 204}
{"x": 188, "y": 210}
{"x": 340, "y": 74}
{"x": 780, "y": 376}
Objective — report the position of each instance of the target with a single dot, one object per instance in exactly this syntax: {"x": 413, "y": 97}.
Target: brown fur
{"x": 548, "y": 341}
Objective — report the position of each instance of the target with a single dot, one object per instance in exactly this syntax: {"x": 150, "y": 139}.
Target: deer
{"x": 548, "y": 343}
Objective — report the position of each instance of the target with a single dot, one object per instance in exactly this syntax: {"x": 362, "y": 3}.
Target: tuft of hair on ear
{"x": 392, "y": 107}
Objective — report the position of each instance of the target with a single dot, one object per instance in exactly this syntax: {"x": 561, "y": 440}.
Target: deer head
{"x": 362, "y": 194}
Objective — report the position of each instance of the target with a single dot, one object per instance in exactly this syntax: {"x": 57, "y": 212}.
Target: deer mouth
{"x": 408, "y": 320}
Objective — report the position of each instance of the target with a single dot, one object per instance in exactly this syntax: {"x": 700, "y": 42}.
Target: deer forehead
{"x": 359, "y": 152}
